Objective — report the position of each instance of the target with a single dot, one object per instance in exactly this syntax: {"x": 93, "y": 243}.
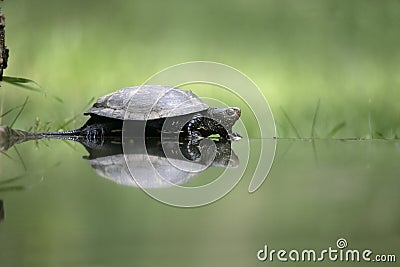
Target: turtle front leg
{"x": 225, "y": 133}
{"x": 235, "y": 136}
{"x": 201, "y": 127}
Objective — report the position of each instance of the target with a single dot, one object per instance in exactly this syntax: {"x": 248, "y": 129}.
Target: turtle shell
{"x": 147, "y": 102}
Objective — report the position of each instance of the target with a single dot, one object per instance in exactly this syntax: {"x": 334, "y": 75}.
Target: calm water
{"x": 66, "y": 215}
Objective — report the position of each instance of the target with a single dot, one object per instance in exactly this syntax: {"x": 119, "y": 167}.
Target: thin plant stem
{"x": 291, "y": 123}
{"x": 315, "y": 119}
{"x": 20, "y": 111}
{"x": 20, "y": 158}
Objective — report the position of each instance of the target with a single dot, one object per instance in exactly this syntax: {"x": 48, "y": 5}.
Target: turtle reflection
{"x": 171, "y": 163}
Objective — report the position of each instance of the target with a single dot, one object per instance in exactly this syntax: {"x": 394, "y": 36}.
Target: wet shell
{"x": 147, "y": 102}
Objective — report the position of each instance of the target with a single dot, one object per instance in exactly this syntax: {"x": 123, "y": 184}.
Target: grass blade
{"x": 24, "y": 83}
{"x": 11, "y": 180}
{"x": 12, "y": 188}
{"x": 20, "y": 158}
{"x": 88, "y": 104}
{"x": 380, "y": 135}
{"x": 336, "y": 129}
{"x": 10, "y": 110}
{"x": 315, "y": 119}
{"x": 371, "y": 135}
{"x": 11, "y": 79}
{"x": 291, "y": 123}
{"x": 5, "y": 154}
{"x": 66, "y": 123}
{"x": 57, "y": 99}
{"x": 19, "y": 113}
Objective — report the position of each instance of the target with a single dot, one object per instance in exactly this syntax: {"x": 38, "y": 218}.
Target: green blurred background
{"x": 342, "y": 53}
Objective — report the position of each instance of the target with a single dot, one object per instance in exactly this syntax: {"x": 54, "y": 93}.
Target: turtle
{"x": 154, "y": 105}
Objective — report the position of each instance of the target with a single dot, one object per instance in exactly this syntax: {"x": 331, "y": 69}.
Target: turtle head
{"x": 225, "y": 116}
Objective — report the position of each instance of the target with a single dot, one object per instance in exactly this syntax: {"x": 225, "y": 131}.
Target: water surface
{"x": 66, "y": 215}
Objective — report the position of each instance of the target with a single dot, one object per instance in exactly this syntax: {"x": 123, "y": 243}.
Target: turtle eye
{"x": 230, "y": 111}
